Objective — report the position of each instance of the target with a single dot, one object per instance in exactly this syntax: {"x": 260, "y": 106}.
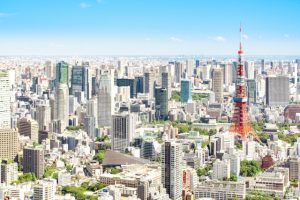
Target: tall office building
{"x": 128, "y": 82}
{"x": 249, "y": 69}
{"x": 106, "y": 96}
{"x": 9, "y": 172}
{"x": 62, "y": 73}
{"x": 166, "y": 83}
{"x": 190, "y": 65}
{"x": 277, "y": 91}
{"x": 62, "y": 104}
{"x": 140, "y": 84}
{"x": 171, "y": 169}
{"x": 150, "y": 84}
{"x": 9, "y": 140}
{"x": 45, "y": 190}
{"x": 251, "y": 91}
{"x": 161, "y": 103}
{"x": 186, "y": 91}
{"x": 221, "y": 169}
{"x": 80, "y": 81}
{"x": 33, "y": 160}
{"x": 30, "y": 128}
{"x": 43, "y": 116}
{"x": 5, "y": 111}
{"x": 178, "y": 71}
{"x": 123, "y": 130}
{"x": 217, "y": 84}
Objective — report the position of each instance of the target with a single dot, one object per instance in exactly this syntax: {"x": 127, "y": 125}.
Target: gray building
{"x": 277, "y": 91}
{"x": 33, "y": 160}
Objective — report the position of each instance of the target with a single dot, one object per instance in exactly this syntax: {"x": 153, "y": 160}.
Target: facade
{"x": 106, "y": 95}
{"x": 220, "y": 190}
{"x": 294, "y": 167}
{"x": 217, "y": 84}
{"x": 150, "y": 84}
{"x": 62, "y": 73}
{"x": 43, "y": 116}
{"x": 178, "y": 71}
{"x": 9, "y": 144}
{"x": 161, "y": 103}
{"x": 171, "y": 169}
{"x": 128, "y": 82}
{"x": 186, "y": 91}
{"x": 61, "y": 109}
{"x": 5, "y": 111}
{"x": 221, "y": 170}
{"x": 166, "y": 83}
{"x": 29, "y": 127}
{"x": 33, "y": 160}
{"x": 277, "y": 91}
{"x": 251, "y": 91}
{"x": 80, "y": 81}
{"x": 45, "y": 190}
{"x": 123, "y": 130}
{"x": 9, "y": 172}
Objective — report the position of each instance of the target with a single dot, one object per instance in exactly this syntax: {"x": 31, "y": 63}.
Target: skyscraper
{"x": 171, "y": 169}
{"x": 62, "y": 73}
{"x": 149, "y": 84}
{"x": 186, "y": 91}
{"x": 123, "y": 130}
{"x": 5, "y": 111}
{"x": 217, "y": 84}
{"x": 9, "y": 140}
{"x": 29, "y": 127}
{"x": 43, "y": 115}
{"x": 190, "y": 68}
{"x": 128, "y": 82}
{"x": 62, "y": 104}
{"x": 166, "y": 83}
{"x": 251, "y": 91}
{"x": 106, "y": 95}
{"x": 178, "y": 72}
{"x": 140, "y": 84}
{"x": 33, "y": 160}
{"x": 161, "y": 103}
{"x": 277, "y": 91}
{"x": 80, "y": 81}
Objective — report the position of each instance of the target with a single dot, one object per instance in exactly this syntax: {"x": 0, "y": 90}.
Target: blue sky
{"x": 148, "y": 27}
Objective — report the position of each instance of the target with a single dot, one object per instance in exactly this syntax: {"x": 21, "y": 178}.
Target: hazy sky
{"x": 148, "y": 27}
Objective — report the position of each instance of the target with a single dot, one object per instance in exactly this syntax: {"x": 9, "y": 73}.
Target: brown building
{"x": 294, "y": 166}
{"x": 30, "y": 128}
{"x": 9, "y": 144}
{"x": 290, "y": 112}
{"x": 33, "y": 160}
{"x": 267, "y": 162}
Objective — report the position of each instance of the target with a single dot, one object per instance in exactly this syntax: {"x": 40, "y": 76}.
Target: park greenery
{"x": 115, "y": 170}
{"x": 79, "y": 192}
{"x": 255, "y": 195}
{"x": 201, "y": 171}
{"x": 195, "y": 96}
{"x": 49, "y": 171}
{"x": 75, "y": 128}
{"x": 233, "y": 177}
{"x": 26, "y": 177}
{"x": 100, "y": 156}
{"x": 249, "y": 168}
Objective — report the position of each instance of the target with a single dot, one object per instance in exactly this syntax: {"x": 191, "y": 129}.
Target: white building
{"x": 45, "y": 190}
{"x": 62, "y": 105}
{"x": 5, "y": 111}
{"x": 171, "y": 169}
{"x": 221, "y": 169}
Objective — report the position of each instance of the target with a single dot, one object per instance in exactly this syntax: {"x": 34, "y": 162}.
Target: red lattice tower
{"x": 241, "y": 124}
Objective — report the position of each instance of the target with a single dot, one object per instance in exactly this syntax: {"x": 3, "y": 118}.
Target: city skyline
{"x": 112, "y": 27}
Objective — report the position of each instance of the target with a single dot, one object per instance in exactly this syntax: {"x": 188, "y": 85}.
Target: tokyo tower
{"x": 241, "y": 124}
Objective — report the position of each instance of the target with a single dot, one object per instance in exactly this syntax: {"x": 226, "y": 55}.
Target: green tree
{"x": 100, "y": 156}
{"x": 249, "y": 168}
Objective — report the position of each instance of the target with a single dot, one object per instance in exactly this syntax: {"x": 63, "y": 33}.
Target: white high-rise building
{"x": 234, "y": 158}
{"x": 62, "y": 104}
{"x": 106, "y": 96}
{"x": 91, "y": 108}
{"x": 5, "y": 111}
{"x": 123, "y": 130}
{"x": 45, "y": 190}
{"x": 43, "y": 115}
{"x": 249, "y": 150}
{"x": 171, "y": 169}
{"x": 9, "y": 172}
{"x": 190, "y": 65}
{"x": 221, "y": 169}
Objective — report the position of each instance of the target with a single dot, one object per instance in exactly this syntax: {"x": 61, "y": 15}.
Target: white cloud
{"x": 84, "y": 5}
{"x": 175, "y": 39}
{"x": 286, "y": 36}
{"x": 219, "y": 38}
{"x": 244, "y": 36}
{"x": 3, "y": 14}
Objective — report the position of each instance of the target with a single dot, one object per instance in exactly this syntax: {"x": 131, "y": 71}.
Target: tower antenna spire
{"x": 241, "y": 37}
